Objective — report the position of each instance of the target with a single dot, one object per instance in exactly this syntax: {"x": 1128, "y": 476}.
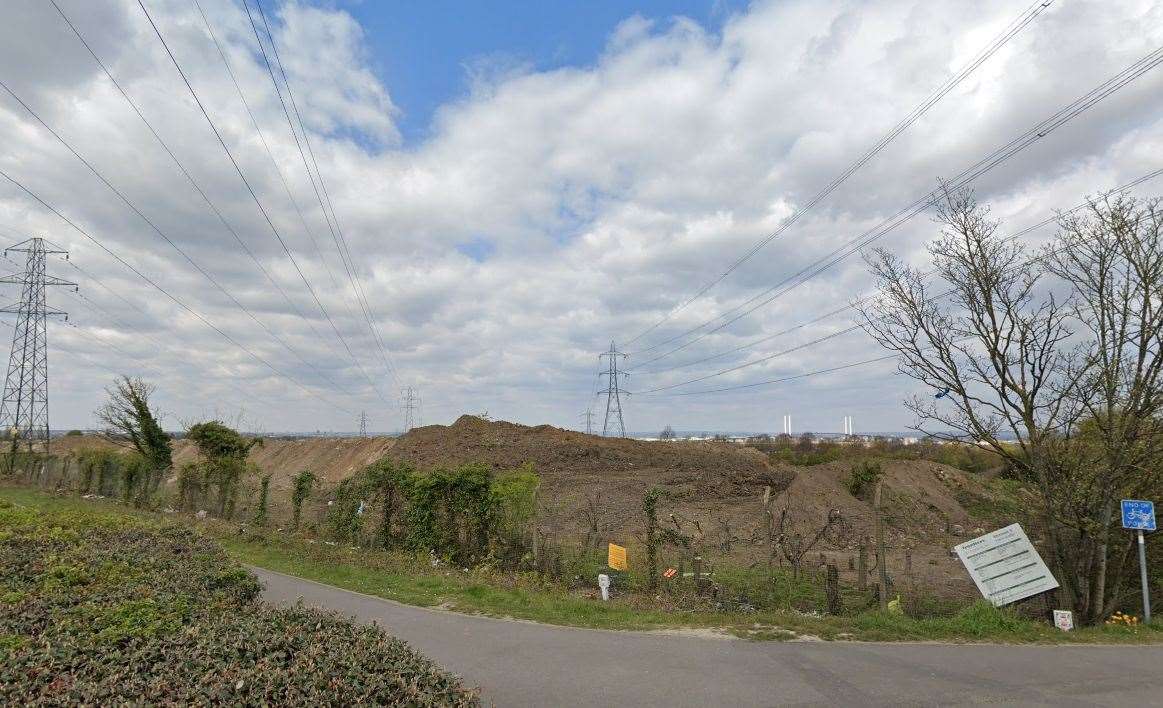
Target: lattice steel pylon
{"x": 363, "y": 424}
{"x": 24, "y": 411}
{"x": 613, "y": 391}
{"x": 588, "y": 417}
{"x": 410, "y": 402}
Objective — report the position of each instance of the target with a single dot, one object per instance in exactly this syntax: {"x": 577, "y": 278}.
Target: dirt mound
{"x": 566, "y": 459}
{"x": 333, "y": 459}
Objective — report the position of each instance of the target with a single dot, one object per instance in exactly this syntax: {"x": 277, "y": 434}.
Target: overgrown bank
{"x": 410, "y": 578}
{"x": 104, "y": 606}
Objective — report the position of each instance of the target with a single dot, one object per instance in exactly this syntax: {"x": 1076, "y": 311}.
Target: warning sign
{"x": 1005, "y": 565}
{"x": 617, "y": 559}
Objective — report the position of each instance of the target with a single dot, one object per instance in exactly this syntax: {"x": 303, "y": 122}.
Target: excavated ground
{"x": 714, "y": 490}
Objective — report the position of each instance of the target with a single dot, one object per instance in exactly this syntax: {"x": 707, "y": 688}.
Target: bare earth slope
{"x": 713, "y": 490}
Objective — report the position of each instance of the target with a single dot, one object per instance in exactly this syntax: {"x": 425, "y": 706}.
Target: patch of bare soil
{"x": 332, "y": 459}
{"x": 714, "y": 491}
{"x": 568, "y": 460}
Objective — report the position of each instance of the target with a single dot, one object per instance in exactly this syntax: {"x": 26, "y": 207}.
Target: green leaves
{"x": 95, "y": 611}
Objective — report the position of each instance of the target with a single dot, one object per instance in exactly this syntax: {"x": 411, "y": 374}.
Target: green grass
{"x": 409, "y": 579}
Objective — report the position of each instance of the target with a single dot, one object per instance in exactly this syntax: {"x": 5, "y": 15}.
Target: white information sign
{"x": 1064, "y": 620}
{"x": 1005, "y": 565}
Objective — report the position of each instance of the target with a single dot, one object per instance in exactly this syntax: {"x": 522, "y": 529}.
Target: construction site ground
{"x": 714, "y": 493}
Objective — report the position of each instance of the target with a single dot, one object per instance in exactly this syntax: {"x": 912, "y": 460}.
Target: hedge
{"x": 111, "y": 610}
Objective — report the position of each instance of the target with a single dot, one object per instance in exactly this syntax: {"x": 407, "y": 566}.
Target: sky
{"x": 518, "y": 185}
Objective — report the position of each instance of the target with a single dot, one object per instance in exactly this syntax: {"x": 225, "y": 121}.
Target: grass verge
{"x": 408, "y": 579}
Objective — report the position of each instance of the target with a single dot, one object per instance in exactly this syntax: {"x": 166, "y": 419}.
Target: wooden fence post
{"x": 832, "y": 590}
{"x": 862, "y": 565}
{"x": 881, "y": 558}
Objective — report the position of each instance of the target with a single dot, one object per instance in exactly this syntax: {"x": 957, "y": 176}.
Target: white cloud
{"x": 598, "y": 196}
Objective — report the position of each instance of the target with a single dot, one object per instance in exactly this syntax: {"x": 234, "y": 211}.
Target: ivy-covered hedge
{"x": 468, "y": 513}
{"x": 105, "y": 610}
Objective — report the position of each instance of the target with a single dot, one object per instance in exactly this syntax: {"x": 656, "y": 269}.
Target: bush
{"x": 863, "y": 477}
{"x": 112, "y": 610}
{"x": 468, "y": 514}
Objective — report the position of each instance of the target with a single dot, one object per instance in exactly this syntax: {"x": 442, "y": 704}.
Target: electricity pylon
{"x": 588, "y": 416}
{"x": 363, "y": 424}
{"x": 24, "y": 411}
{"x": 410, "y": 402}
{"x": 613, "y": 390}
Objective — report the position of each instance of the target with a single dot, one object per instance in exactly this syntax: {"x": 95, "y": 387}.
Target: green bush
{"x": 103, "y": 610}
{"x": 468, "y": 514}
{"x": 863, "y": 477}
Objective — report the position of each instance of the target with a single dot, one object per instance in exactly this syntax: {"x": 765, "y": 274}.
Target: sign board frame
{"x": 1064, "y": 620}
{"x": 1005, "y": 566}
{"x": 1138, "y": 514}
{"x": 616, "y": 558}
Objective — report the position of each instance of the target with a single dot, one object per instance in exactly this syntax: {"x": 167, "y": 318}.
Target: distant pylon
{"x": 24, "y": 411}
{"x": 613, "y": 391}
{"x": 410, "y": 402}
{"x": 363, "y": 424}
{"x": 588, "y": 416}
{"x": 787, "y": 425}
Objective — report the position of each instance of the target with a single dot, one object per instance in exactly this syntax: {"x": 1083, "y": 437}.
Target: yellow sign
{"x": 617, "y": 559}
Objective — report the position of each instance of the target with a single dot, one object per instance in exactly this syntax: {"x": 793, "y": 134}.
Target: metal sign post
{"x": 1143, "y": 578}
{"x": 1139, "y": 515}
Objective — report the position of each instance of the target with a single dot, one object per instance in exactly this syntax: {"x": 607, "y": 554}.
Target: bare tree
{"x": 598, "y": 518}
{"x": 1111, "y": 255}
{"x": 999, "y": 343}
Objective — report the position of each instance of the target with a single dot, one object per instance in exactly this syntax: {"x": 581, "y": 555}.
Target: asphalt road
{"x": 527, "y": 664}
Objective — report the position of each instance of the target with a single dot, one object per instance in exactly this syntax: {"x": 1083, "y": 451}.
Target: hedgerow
{"x": 101, "y": 610}
{"x": 468, "y": 513}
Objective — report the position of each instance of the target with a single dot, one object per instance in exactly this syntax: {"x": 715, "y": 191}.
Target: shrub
{"x": 863, "y": 477}
{"x": 260, "y": 515}
{"x": 103, "y": 610}
{"x": 301, "y": 489}
{"x": 466, "y": 513}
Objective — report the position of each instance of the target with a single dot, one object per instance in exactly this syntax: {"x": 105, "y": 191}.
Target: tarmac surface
{"x": 517, "y": 663}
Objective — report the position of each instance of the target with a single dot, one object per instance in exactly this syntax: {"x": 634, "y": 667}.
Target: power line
{"x": 133, "y": 207}
{"x": 832, "y": 313}
{"x": 983, "y": 166}
{"x": 213, "y": 207}
{"x": 769, "y": 382}
{"x": 175, "y": 299}
{"x": 756, "y": 362}
{"x": 257, "y": 201}
{"x": 266, "y": 146}
{"x": 1011, "y": 30}
{"x": 334, "y": 228}
{"x": 1030, "y": 261}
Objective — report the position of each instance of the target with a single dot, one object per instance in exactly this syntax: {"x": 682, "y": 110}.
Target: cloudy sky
{"x": 516, "y": 188}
